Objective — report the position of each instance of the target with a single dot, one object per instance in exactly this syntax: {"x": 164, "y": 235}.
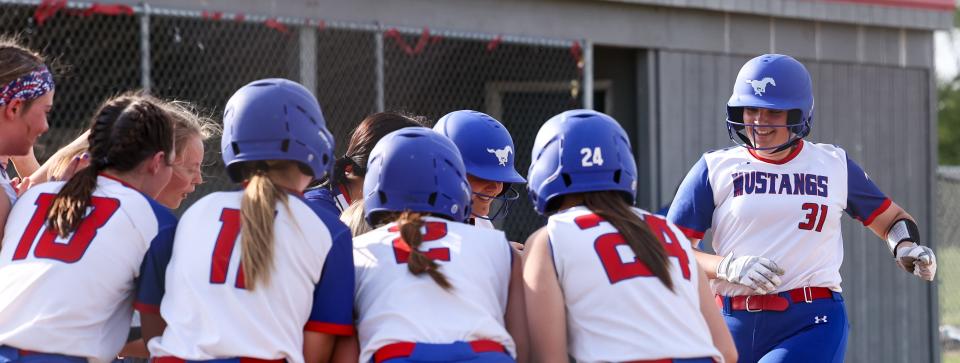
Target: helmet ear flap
{"x": 735, "y": 114}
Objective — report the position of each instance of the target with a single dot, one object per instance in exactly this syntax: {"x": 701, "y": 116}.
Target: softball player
{"x": 26, "y": 97}
{"x": 190, "y": 133}
{"x": 608, "y": 282}
{"x": 72, "y": 251}
{"x": 488, "y": 154}
{"x": 775, "y": 206}
{"x": 429, "y": 288}
{"x": 258, "y": 273}
{"x": 345, "y": 185}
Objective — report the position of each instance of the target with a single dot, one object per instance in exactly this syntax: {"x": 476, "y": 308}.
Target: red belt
{"x": 404, "y": 349}
{"x": 665, "y": 360}
{"x": 242, "y": 360}
{"x": 776, "y": 302}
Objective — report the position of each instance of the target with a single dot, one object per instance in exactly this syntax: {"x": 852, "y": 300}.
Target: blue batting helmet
{"x": 275, "y": 119}
{"x": 487, "y": 150}
{"x": 580, "y": 151}
{"x": 419, "y": 170}
{"x": 772, "y": 81}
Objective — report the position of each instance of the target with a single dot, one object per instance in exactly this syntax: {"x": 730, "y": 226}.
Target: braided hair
{"x": 124, "y": 132}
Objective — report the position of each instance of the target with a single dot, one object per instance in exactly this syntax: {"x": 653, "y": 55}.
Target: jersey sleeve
{"x": 153, "y": 269}
{"x": 322, "y": 198}
{"x": 692, "y": 207}
{"x": 332, "y": 311}
{"x": 864, "y": 200}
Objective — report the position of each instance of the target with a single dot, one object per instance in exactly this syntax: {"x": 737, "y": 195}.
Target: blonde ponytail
{"x": 257, "y": 213}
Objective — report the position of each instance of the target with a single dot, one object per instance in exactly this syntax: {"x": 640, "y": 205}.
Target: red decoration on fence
{"x": 276, "y": 25}
{"x": 108, "y": 9}
{"x": 47, "y": 9}
{"x": 421, "y": 42}
{"x": 493, "y": 44}
{"x": 239, "y": 17}
{"x": 576, "y": 51}
{"x": 215, "y": 15}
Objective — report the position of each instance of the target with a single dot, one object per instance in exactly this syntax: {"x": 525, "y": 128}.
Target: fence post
{"x": 378, "y": 71}
{"x": 145, "y": 83}
{"x": 308, "y": 58}
{"x": 588, "y": 75}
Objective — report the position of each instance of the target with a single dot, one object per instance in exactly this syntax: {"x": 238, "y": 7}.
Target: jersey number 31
{"x": 617, "y": 270}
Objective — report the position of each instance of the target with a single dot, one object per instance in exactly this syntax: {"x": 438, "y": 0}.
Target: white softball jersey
{"x": 483, "y": 223}
{"x": 394, "y": 305}
{"x": 74, "y": 295}
{"x": 788, "y": 211}
{"x": 7, "y": 185}
{"x": 617, "y": 310}
{"x": 201, "y": 292}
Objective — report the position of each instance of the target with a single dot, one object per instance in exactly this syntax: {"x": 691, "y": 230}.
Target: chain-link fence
{"x": 353, "y": 68}
{"x": 948, "y": 255}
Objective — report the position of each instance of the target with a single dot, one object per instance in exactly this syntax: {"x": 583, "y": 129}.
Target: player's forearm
{"x": 26, "y": 165}
{"x": 545, "y": 310}
{"x": 151, "y": 326}
{"x": 346, "y": 349}
{"x": 881, "y": 225}
{"x": 515, "y": 318}
{"x": 718, "y": 328}
{"x": 708, "y": 262}
{"x": 318, "y": 347}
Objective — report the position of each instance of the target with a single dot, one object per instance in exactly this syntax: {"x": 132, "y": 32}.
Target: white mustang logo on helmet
{"x": 759, "y": 87}
{"x": 502, "y": 154}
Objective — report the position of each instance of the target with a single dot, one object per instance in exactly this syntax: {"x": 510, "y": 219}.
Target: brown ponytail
{"x": 257, "y": 215}
{"x": 373, "y": 128}
{"x": 611, "y": 207}
{"x": 124, "y": 132}
{"x": 409, "y": 224}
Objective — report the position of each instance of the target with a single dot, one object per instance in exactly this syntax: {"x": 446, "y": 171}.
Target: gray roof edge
{"x": 833, "y": 12}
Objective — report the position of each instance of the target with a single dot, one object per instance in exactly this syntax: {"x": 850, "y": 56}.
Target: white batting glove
{"x": 918, "y": 260}
{"x": 758, "y": 273}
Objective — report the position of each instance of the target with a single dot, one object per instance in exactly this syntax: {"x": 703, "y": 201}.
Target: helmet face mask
{"x": 771, "y": 81}
{"x": 737, "y": 130}
{"x": 500, "y": 203}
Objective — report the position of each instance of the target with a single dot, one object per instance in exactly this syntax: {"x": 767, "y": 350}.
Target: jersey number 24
{"x": 617, "y": 270}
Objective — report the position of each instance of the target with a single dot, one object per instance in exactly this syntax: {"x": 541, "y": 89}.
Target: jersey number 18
{"x": 76, "y": 246}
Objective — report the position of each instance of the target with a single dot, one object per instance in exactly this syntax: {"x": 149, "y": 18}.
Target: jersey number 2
{"x": 223, "y": 249}
{"x": 73, "y": 249}
{"x": 617, "y": 270}
{"x": 435, "y": 231}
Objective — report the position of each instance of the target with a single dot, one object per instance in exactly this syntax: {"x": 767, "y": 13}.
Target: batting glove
{"x": 918, "y": 260}
{"x": 757, "y": 273}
